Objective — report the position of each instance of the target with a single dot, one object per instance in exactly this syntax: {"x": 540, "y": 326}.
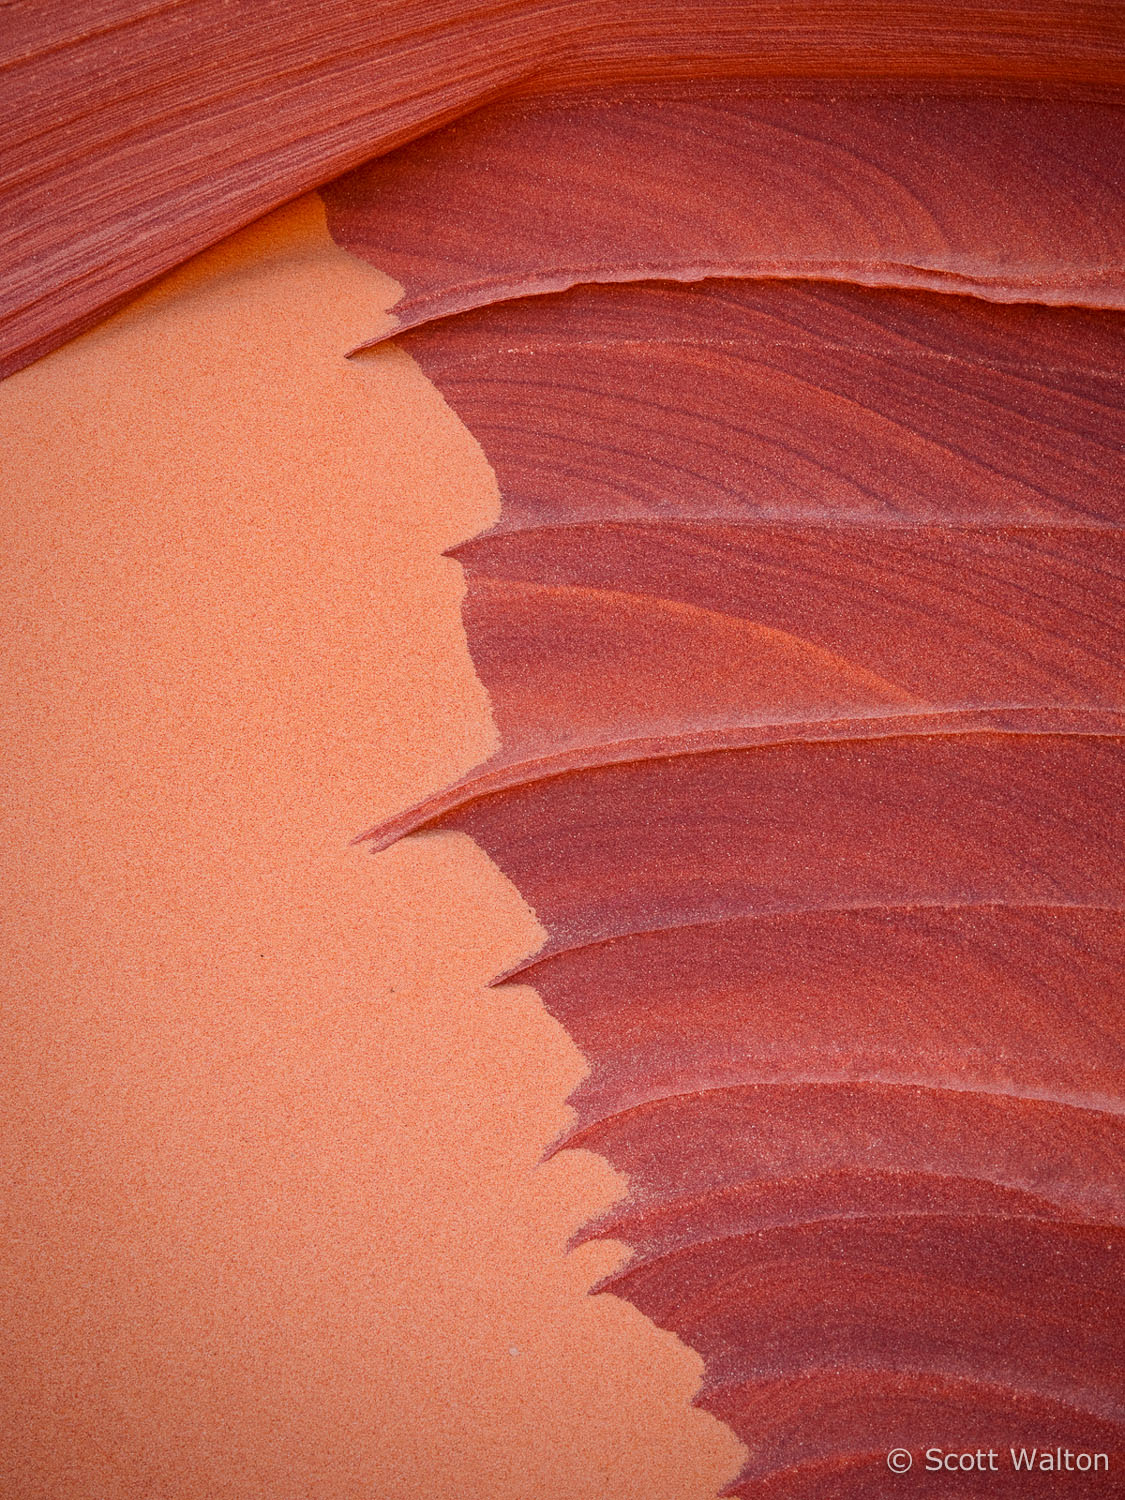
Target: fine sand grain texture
{"x": 278, "y": 1227}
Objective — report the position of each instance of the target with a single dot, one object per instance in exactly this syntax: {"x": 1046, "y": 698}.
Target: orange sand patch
{"x": 277, "y": 1225}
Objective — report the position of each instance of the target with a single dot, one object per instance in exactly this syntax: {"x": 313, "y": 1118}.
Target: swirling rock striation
{"x": 1009, "y": 198}
{"x": 802, "y": 629}
{"x": 138, "y": 133}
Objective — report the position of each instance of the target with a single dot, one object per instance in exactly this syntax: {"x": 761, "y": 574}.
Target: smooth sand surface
{"x": 277, "y": 1226}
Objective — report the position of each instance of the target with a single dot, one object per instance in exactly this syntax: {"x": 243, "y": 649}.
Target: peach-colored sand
{"x": 277, "y": 1228}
